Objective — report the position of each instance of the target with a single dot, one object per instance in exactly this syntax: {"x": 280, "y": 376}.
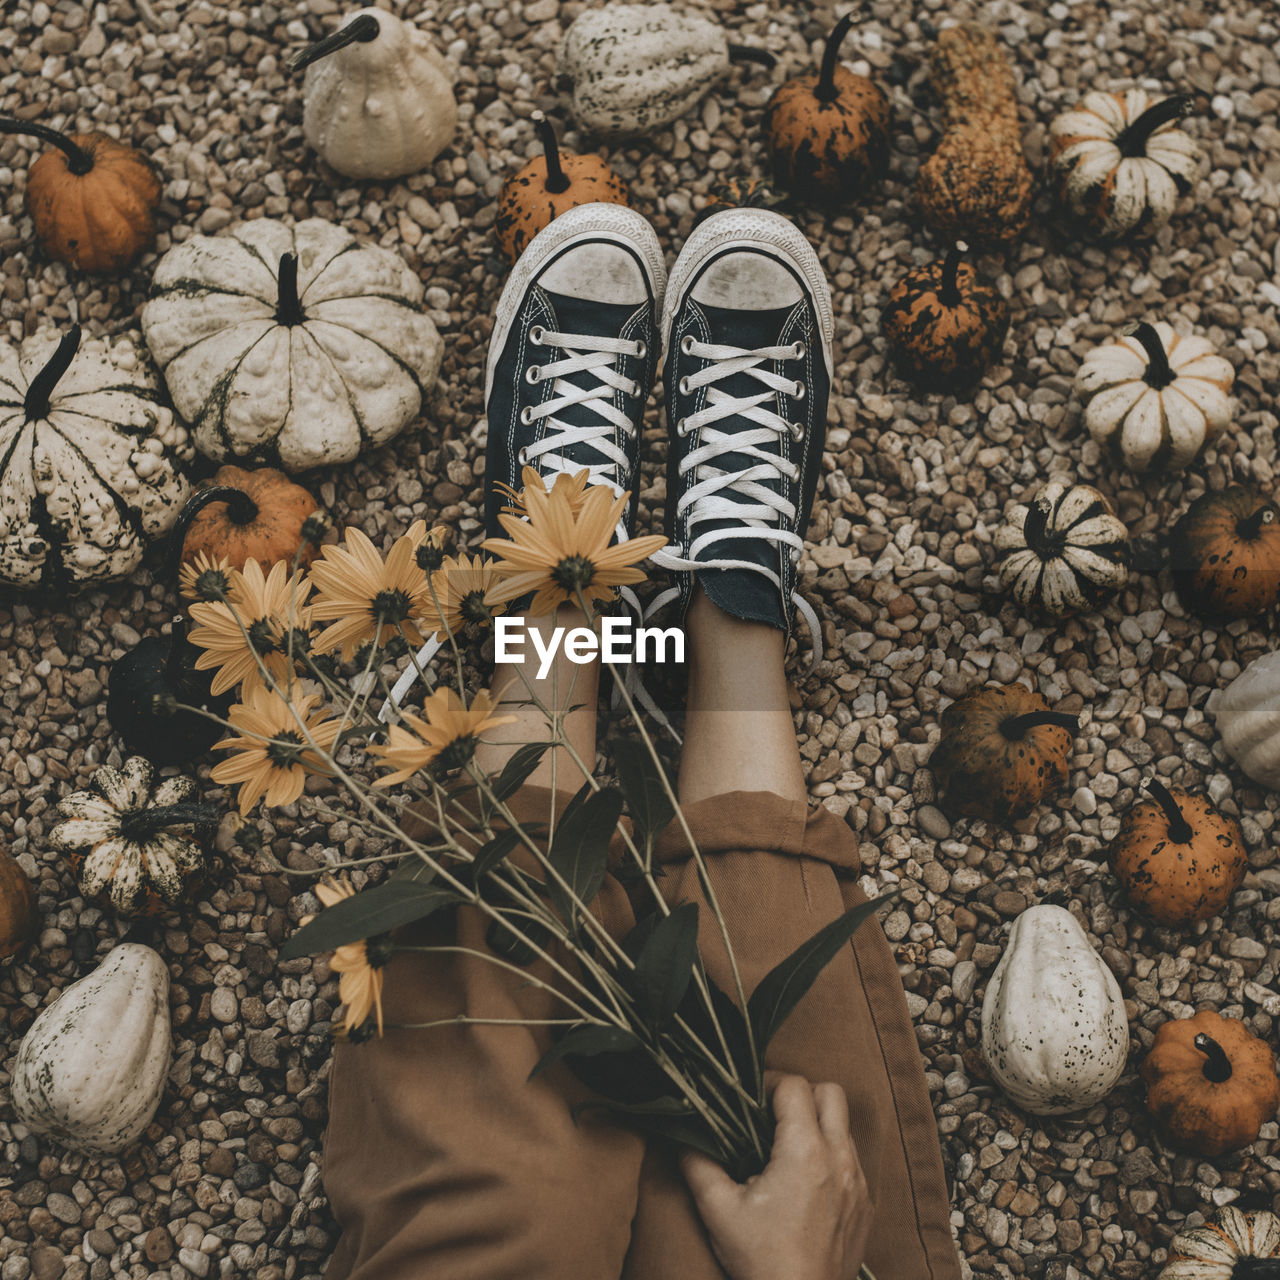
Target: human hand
{"x": 808, "y": 1214}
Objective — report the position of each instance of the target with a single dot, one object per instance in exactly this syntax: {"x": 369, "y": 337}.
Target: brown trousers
{"x": 442, "y": 1162}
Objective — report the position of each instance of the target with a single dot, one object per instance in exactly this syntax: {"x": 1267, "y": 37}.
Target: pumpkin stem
{"x": 1217, "y": 1067}
{"x": 825, "y": 90}
{"x": 747, "y": 53}
{"x": 1033, "y": 530}
{"x": 1132, "y": 141}
{"x": 359, "y": 30}
{"x": 1016, "y": 727}
{"x": 1179, "y": 828}
{"x": 40, "y": 391}
{"x": 1249, "y": 527}
{"x": 140, "y": 824}
{"x": 241, "y": 510}
{"x": 79, "y": 161}
{"x": 557, "y": 179}
{"x": 1257, "y": 1269}
{"x": 949, "y": 294}
{"x": 288, "y": 309}
{"x": 1158, "y": 373}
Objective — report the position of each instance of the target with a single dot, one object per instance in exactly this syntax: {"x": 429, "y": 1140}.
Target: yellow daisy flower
{"x": 446, "y": 739}
{"x": 273, "y": 755}
{"x": 366, "y": 599}
{"x": 266, "y": 616}
{"x": 459, "y": 589}
{"x": 559, "y": 555}
{"x": 204, "y": 578}
{"x": 360, "y": 986}
{"x": 573, "y": 486}
{"x": 428, "y": 544}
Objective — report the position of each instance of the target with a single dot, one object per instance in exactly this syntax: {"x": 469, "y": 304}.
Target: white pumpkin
{"x": 1155, "y": 398}
{"x": 1121, "y": 162}
{"x": 1247, "y": 714}
{"x": 1221, "y": 1249}
{"x": 1063, "y": 551}
{"x": 294, "y": 346}
{"x": 91, "y": 1070}
{"x": 377, "y": 98}
{"x": 89, "y": 460}
{"x": 636, "y": 67}
{"x": 135, "y": 842}
{"x": 1054, "y": 1030}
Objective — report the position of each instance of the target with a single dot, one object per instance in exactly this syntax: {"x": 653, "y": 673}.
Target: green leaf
{"x": 586, "y": 1042}
{"x": 372, "y": 911}
{"x": 685, "y": 1131}
{"x": 517, "y": 770}
{"x": 664, "y": 967}
{"x": 490, "y": 855}
{"x": 413, "y": 868}
{"x": 640, "y": 778}
{"x": 580, "y": 848}
{"x": 782, "y": 988}
{"x": 664, "y": 1106}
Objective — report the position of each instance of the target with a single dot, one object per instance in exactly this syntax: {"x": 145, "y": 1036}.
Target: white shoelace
{"x": 742, "y": 496}
{"x": 584, "y": 353}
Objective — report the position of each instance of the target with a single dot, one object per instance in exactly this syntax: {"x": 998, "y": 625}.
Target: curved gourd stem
{"x": 1179, "y": 828}
{"x": 288, "y": 309}
{"x": 241, "y": 509}
{"x": 358, "y": 31}
{"x": 1016, "y": 727}
{"x": 40, "y": 391}
{"x": 557, "y": 179}
{"x": 79, "y": 161}
{"x": 1256, "y": 1269}
{"x": 143, "y": 823}
{"x": 1217, "y": 1067}
{"x": 1249, "y": 527}
{"x": 1132, "y": 141}
{"x": 949, "y": 295}
{"x": 825, "y": 90}
{"x": 748, "y": 53}
{"x": 1158, "y": 373}
{"x": 1034, "y": 527}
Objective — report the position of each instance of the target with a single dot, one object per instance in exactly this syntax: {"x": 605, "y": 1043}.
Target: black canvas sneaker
{"x": 573, "y": 354}
{"x": 747, "y": 330}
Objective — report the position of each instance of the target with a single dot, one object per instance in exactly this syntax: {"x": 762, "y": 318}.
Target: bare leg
{"x": 739, "y": 735}
{"x": 566, "y": 684}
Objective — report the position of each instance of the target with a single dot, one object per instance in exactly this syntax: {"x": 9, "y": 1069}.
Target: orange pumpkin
{"x": 1001, "y": 751}
{"x": 1225, "y": 554}
{"x": 253, "y": 515}
{"x": 546, "y": 187}
{"x": 944, "y": 326}
{"x": 1177, "y": 858}
{"x": 1210, "y": 1083}
{"x": 92, "y": 199}
{"x": 828, "y": 134}
{"x": 739, "y": 193}
{"x": 19, "y": 919}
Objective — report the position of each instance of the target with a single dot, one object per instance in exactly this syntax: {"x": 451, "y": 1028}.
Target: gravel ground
{"x": 226, "y": 1182}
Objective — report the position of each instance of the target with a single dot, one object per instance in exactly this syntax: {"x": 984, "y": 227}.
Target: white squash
{"x": 377, "y": 98}
{"x": 89, "y": 460}
{"x": 1054, "y": 1030}
{"x": 1155, "y": 398}
{"x": 1122, "y": 162}
{"x": 1247, "y": 714}
{"x": 294, "y": 346}
{"x": 637, "y": 67}
{"x": 91, "y": 1070}
{"x": 1231, "y": 1247}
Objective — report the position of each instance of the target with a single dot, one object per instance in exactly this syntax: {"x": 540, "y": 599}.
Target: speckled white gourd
{"x": 1247, "y": 713}
{"x": 1054, "y": 1030}
{"x": 353, "y": 374}
{"x": 637, "y": 67}
{"x": 125, "y": 870}
{"x": 83, "y": 488}
{"x": 91, "y": 1070}
{"x": 380, "y": 109}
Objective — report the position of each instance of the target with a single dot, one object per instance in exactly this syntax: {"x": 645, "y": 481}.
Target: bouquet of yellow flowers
{"x": 313, "y": 654}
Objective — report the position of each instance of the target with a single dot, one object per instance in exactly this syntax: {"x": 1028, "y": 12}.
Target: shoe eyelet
{"x": 797, "y": 430}
{"x": 684, "y": 386}
{"x": 526, "y": 416}
{"x": 533, "y": 373}
{"x": 798, "y": 393}
{"x": 634, "y": 393}
{"x": 642, "y": 348}
{"x": 681, "y": 429}
{"x": 797, "y": 352}
{"x": 536, "y": 334}
{"x": 795, "y": 555}
{"x": 523, "y": 457}
{"x": 686, "y": 344}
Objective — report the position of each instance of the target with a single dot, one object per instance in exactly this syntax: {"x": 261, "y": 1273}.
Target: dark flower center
{"x": 473, "y": 608}
{"x": 455, "y": 754}
{"x": 573, "y": 573}
{"x": 286, "y": 749}
{"x": 212, "y": 584}
{"x": 391, "y": 606}
{"x": 262, "y": 636}
{"x": 378, "y": 950}
{"x": 429, "y": 556}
